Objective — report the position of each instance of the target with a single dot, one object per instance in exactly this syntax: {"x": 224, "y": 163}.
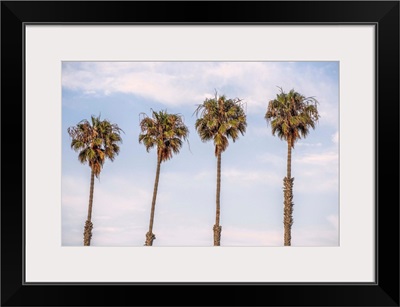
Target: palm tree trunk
{"x": 288, "y": 197}
{"x": 217, "y": 228}
{"x": 150, "y": 235}
{"x": 87, "y": 234}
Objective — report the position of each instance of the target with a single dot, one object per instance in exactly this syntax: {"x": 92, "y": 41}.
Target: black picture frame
{"x": 383, "y": 14}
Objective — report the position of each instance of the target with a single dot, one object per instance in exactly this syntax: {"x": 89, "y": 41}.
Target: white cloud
{"x": 305, "y": 144}
{"x": 245, "y": 176}
{"x": 185, "y": 210}
{"x": 190, "y": 82}
{"x": 302, "y": 236}
{"x": 188, "y": 232}
{"x": 237, "y": 236}
{"x": 333, "y": 220}
{"x": 314, "y": 236}
{"x": 318, "y": 159}
{"x": 316, "y": 173}
{"x": 122, "y": 220}
{"x": 117, "y": 206}
{"x": 272, "y": 159}
{"x": 335, "y": 137}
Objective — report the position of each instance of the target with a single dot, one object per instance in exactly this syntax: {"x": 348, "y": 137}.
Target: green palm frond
{"x": 165, "y": 131}
{"x": 220, "y": 119}
{"x": 95, "y": 141}
{"x": 291, "y": 115}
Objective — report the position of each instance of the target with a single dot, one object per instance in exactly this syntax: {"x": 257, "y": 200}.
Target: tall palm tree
{"x": 220, "y": 119}
{"x": 165, "y": 132}
{"x": 291, "y": 115}
{"x": 95, "y": 141}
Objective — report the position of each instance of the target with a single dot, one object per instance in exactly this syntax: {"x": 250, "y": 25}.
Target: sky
{"x": 253, "y": 167}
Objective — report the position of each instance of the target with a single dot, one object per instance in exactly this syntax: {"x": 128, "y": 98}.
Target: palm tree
{"x": 221, "y": 119}
{"x": 291, "y": 115}
{"x": 95, "y": 141}
{"x": 165, "y": 132}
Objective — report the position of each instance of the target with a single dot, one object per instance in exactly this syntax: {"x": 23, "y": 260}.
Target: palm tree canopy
{"x": 291, "y": 115}
{"x": 95, "y": 141}
{"x": 164, "y": 131}
{"x": 220, "y": 119}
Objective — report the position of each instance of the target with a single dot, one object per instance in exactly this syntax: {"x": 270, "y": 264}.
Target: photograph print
{"x": 200, "y": 154}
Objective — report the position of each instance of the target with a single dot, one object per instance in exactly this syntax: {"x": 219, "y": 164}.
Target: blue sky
{"x": 252, "y": 168}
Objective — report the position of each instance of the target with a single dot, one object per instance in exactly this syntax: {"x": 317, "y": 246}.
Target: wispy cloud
{"x": 315, "y": 236}
{"x": 305, "y": 144}
{"x": 249, "y": 175}
{"x": 318, "y": 159}
{"x": 112, "y": 213}
{"x": 190, "y": 82}
{"x": 316, "y": 172}
{"x": 333, "y": 220}
{"x": 238, "y": 236}
{"x": 252, "y": 169}
{"x": 335, "y": 137}
{"x": 271, "y": 158}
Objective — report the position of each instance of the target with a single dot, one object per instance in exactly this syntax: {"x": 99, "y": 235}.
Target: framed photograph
{"x": 246, "y": 148}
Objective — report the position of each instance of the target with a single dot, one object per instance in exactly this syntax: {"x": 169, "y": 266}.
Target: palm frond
{"x": 164, "y": 131}
{"x": 291, "y": 115}
{"x": 220, "y": 119}
{"x": 95, "y": 140}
